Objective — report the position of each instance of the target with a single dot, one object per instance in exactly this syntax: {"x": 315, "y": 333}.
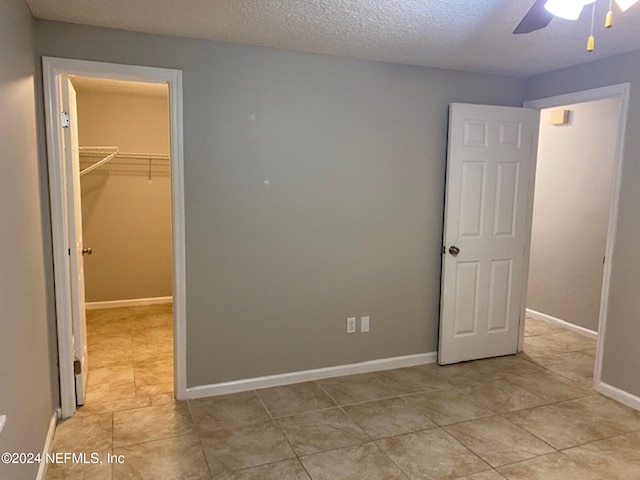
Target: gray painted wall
{"x": 25, "y": 380}
{"x": 351, "y": 222}
{"x": 621, "y": 354}
{"x": 571, "y": 212}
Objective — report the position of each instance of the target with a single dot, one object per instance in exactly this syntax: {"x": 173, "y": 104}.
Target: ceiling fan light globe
{"x": 625, "y": 4}
{"x": 567, "y": 9}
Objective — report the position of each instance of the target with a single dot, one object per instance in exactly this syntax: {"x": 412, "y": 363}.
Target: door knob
{"x": 453, "y": 250}
{"x": 87, "y": 251}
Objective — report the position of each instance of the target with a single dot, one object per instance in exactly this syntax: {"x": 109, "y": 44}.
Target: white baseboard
{"x": 42, "y": 469}
{"x": 309, "y": 375}
{"x": 556, "y": 321}
{"x": 132, "y": 302}
{"x": 619, "y": 395}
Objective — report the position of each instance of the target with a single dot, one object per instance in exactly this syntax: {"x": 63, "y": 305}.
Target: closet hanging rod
{"x": 100, "y": 162}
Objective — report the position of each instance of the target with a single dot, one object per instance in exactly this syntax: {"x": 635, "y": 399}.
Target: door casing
{"x": 53, "y": 71}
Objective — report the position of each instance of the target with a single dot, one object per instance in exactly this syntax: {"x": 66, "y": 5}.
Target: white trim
{"x": 619, "y": 395}
{"x": 42, "y": 469}
{"x": 131, "y": 302}
{"x": 53, "y": 70}
{"x": 308, "y": 375}
{"x": 621, "y": 91}
{"x": 3, "y": 421}
{"x": 562, "y": 323}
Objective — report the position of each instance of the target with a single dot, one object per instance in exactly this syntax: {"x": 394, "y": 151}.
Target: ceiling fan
{"x": 543, "y": 11}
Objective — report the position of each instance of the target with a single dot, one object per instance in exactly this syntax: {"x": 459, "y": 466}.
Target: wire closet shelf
{"x": 110, "y": 160}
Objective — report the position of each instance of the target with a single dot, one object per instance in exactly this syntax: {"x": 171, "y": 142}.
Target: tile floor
{"x": 531, "y": 416}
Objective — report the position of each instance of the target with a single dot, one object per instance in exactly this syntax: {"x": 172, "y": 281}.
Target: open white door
{"x": 74, "y": 212}
{"x": 490, "y": 157}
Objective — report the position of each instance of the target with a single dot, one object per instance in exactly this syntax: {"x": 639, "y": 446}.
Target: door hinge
{"x": 77, "y": 367}
{"x": 65, "y": 120}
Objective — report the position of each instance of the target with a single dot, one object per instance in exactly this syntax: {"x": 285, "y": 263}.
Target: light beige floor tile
{"x": 431, "y": 454}
{"x": 576, "y": 363}
{"x": 550, "y": 386}
{"x": 285, "y": 470}
{"x": 466, "y": 373}
{"x": 319, "y": 431}
{"x": 156, "y": 341}
{"x": 145, "y": 353}
{"x": 235, "y": 448}
{"x": 111, "y": 378}
{"x": 153, "y": 373}
{"x": 96, "y": 406}
{"x": 104, "y": 395}
{"x": 410, "y": 380}
{"x": 150, "y": 335}
{"x": 163, "y": 322}
{"x": 92, "y": 433}
{"x": 80, "y": 471}
{"x": 357, "y": 388}
{"x": 359, "y": 462}
{"x": 446, "y": 407}
{"x": 159, "y": 388}
{"x": 296, "y": 398}
{"x": 100, "y": 328}
{"x": 105, "y": 356}
{"x": 225, "y": 410}
{"x": 502, "y": 396}
{"x": 534, "y": 327}
{"x": 557, "y": 343}
{"x": 176, "y": 458}
{"x": 111, "y": 340}
{"x": 605, "y": 411}
{"x": 486, "y": 475}
{"x": 555, "y": 466}
{"x": 388, "y": 417}
{"x": 511, "y": 365}
{"x": 151, "y": 423}
{"x": 562, "y": 427}
{"x": 616, "y": 458}
{"x": 162, "y": 398}
{"x": 498, "y": 441}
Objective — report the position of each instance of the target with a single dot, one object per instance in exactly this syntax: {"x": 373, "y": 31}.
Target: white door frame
{"x": 620, "y": 91}
{"x": 53, "y": 70}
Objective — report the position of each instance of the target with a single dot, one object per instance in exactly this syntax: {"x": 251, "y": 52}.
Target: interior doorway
{"x": 125, "y": 183}
{"x": 112, "y": 171}
{"x": 572, "y": 204}
{"x": 603, "y": 117}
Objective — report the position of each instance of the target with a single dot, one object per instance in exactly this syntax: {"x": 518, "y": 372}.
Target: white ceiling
{"x": 120, "y": 87}
{"x": 471, "y": 35}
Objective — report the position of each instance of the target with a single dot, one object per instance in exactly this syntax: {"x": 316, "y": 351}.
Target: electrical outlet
{"x": 364, "y": 324}
{"x": 351, "y": 324}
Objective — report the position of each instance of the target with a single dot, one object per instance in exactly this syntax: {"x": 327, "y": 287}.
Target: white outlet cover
{"x": 3, "y": 420}
{"x": 364, "y": 324}
{"x": 351, "y": 324}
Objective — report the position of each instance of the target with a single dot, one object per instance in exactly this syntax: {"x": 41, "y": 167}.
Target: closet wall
{"x": 126, "y": 218}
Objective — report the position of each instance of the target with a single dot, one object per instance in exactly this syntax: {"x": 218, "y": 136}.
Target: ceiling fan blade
{"x": 536, "y": 18}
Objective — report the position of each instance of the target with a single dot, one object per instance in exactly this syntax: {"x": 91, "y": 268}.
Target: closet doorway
{"x": 125, "y": 181}
{"x": 117, "y": 208}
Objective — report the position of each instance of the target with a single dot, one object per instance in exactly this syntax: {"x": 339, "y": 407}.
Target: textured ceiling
{"x": 471, "y": 35}
{"x": 121, "y": 87}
